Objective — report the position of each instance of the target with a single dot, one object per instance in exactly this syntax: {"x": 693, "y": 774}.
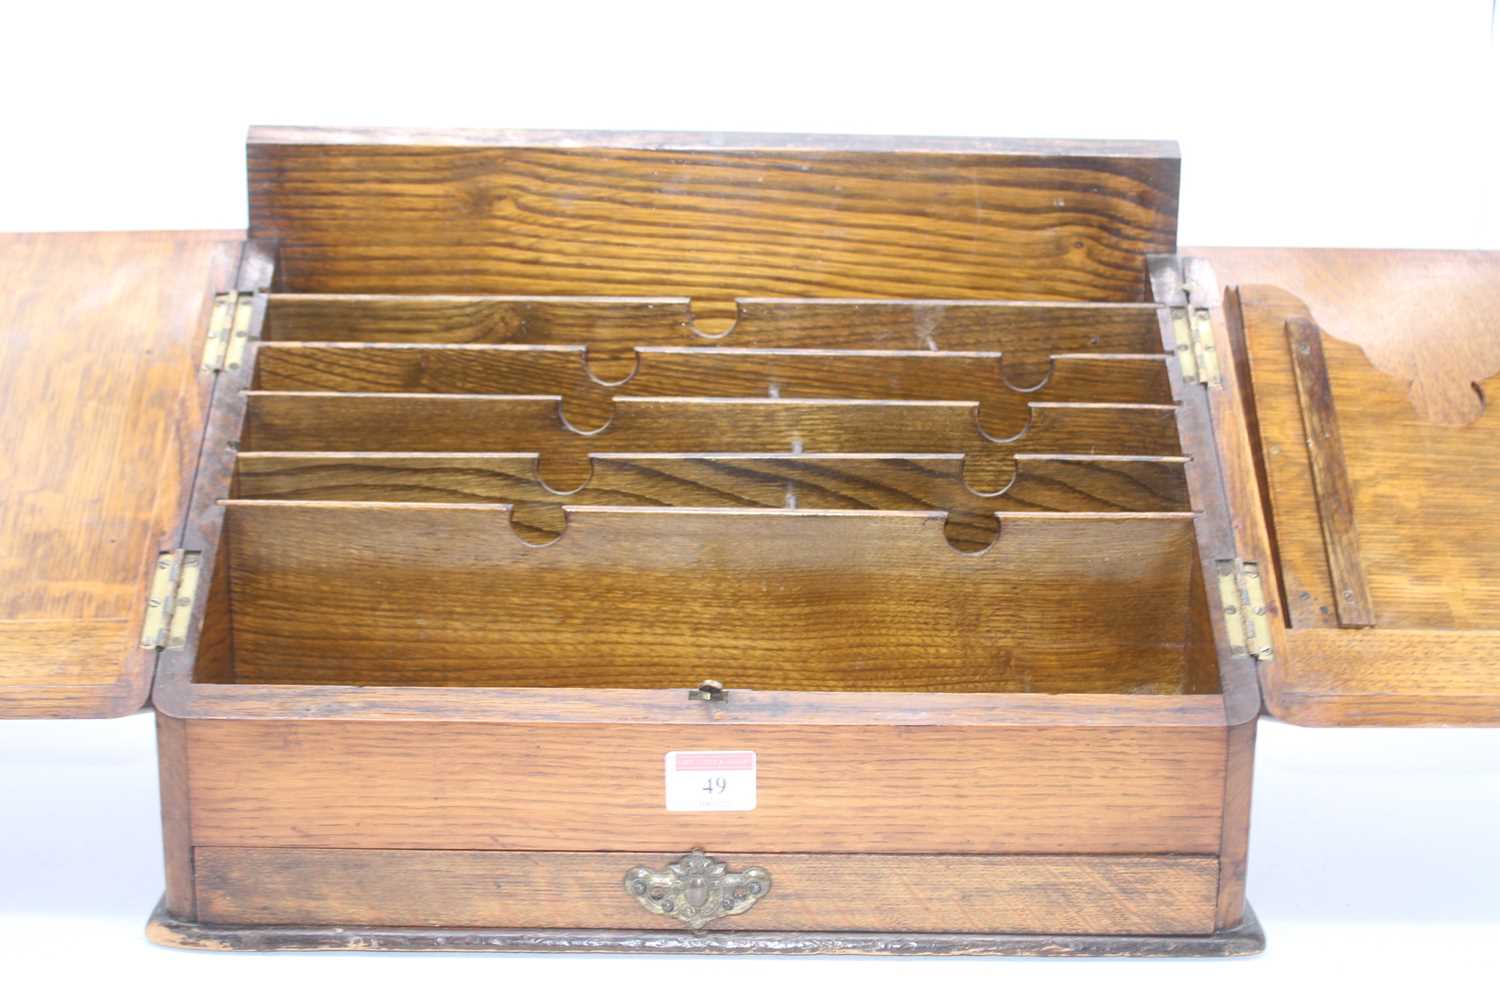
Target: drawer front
{"x": 912, "y": 789}
{"x": 808, "y": 892}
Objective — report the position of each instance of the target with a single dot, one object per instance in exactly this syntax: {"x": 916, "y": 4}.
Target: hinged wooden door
{"x": 102, "y": 401}
{"x": 1370, "y": 388}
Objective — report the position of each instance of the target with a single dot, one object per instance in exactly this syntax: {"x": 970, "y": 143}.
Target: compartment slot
{"x": 976, "y": 376}
{"x": 803, "y": 482}
{"x": 1026, "y": 332}
{"x": 313, "y": 421}
{"x": 370, "y": 594}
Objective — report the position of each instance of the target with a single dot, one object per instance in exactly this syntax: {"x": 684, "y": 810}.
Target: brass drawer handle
{"x": 697, "y": 889}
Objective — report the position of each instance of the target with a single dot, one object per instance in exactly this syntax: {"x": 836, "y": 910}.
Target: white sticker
{"x": 711, "y": 781}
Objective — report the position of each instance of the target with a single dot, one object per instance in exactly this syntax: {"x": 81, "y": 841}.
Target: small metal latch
{"x": 709, "y": 690}
{"x": 1243, "y": 597}
{"x": 1193, "y": 334}
{"x": 228, "y": 331}
{"x": 169, "y": 606}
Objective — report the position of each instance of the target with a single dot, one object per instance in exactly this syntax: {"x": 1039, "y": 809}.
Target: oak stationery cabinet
{"x": 727, "y": 543}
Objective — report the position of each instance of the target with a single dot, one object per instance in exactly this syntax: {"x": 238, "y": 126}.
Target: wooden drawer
{"x": 808, "y": 892}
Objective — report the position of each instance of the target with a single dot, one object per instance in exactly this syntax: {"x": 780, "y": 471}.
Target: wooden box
{"x": 733, "y": 543}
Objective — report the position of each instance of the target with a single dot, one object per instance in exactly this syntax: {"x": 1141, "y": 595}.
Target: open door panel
{"x": 102, "y": 404}
{"x": 1370, "y": 381}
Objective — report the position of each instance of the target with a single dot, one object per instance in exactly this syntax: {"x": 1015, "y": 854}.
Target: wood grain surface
{"x": 1388, "y": 676}
{"x": 101, "y": 409}
{"x": 864, "y": 892}
{"x": 1420, "y": 490}
{"x": 165, "y": 930}
{"x": 710, "y": 217}
{"x": 1325, "y": 450}
{"x": 225, "y": 700}
{"x": 411, "y": 422}
{"x": 1421, "y": 317}
{"x": 435, "y": 595}
{"x": 877, "y": 788}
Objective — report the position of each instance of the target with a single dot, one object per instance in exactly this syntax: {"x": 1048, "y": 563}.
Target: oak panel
{"x": 711, "y": 217}
{"x": 913, "y": 894}
{"x": 1388, "y": 677}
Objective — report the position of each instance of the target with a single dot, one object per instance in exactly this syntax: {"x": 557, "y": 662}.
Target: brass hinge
{"x": 1187, "y": 286}
{"x": 1193, "y": 333}
{"x": 1243, "y": 597}
{"x": 169, "y": 607}
{"x": 228, "y": 330}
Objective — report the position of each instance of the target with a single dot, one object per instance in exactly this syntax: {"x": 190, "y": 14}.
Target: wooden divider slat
{"x": 1026, "y": 334}
{"x": 713, "y": 373}
{"x": 806, "y": 482}
{"x": 316, "y": 421}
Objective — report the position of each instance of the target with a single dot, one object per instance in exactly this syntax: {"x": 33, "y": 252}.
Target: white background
{"x": 1375, "y": 856}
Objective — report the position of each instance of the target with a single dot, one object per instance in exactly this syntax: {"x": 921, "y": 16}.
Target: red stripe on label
{"x": 714, "y": 761}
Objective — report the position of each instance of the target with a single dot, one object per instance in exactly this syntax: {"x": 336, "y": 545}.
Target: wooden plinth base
{"x": 165, "y": 929}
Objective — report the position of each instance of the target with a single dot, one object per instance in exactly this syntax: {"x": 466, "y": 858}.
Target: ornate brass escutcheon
{"x": 697, "y": 889}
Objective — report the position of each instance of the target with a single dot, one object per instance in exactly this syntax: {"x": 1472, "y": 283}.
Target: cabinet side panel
{"x": 1234, "y": 849}
{"x": 176, "y": 815}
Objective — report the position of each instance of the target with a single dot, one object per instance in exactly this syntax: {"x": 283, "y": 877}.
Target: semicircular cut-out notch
{"x": 611, "y": 365}
{"x": 985, "y": 423}
{"x": 1026, "y": 372}
{"x": 971, "y": 532}
{"x": 713, "y": 317}
{"x": 989, "y": 471}
{"x": 566, "y": 467}
{"x": 538, "y": 524}
{"x": 1002, "y": 416}
{"x": 588, "y": 411}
